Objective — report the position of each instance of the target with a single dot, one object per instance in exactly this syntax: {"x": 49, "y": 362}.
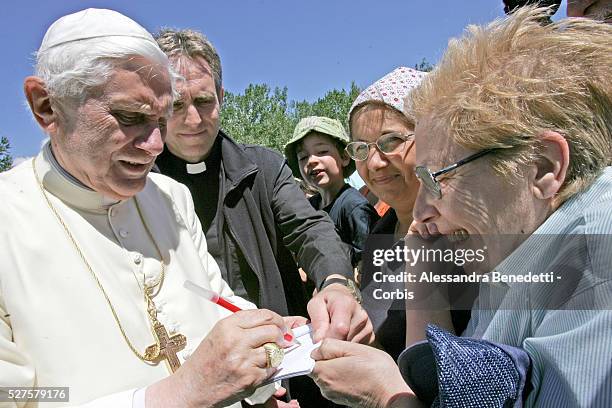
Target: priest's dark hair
{"x": 191, "y": 44}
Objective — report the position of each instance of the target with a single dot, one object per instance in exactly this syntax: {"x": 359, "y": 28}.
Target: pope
{"x": 96, "y": 250}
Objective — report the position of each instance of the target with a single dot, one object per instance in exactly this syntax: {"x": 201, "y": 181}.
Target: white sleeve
{"x": 16, "y": 369}
{"x": 122, "y": 399}
{"x": 139, "y": 398}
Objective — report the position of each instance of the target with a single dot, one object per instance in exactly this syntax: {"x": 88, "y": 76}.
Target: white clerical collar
{"x": 63, "y": 185}
{"x": 58, "y": 167}
{"x": 196, "y": 168}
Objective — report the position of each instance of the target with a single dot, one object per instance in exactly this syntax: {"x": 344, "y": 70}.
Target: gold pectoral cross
{"x": 166, "y": 347}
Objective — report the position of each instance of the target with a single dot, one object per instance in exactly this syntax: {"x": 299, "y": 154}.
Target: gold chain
{"x": 148, "y": 295}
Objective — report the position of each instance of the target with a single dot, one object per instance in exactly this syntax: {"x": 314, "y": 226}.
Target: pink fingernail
{"x": 288, "y": 337}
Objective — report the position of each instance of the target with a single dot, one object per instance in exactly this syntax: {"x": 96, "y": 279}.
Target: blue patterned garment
{"x": 476, "y": 373}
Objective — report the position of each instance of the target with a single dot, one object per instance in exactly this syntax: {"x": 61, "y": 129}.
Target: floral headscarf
{"x": 390, "y": 89}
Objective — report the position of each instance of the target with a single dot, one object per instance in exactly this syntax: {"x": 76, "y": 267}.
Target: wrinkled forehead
{"x": 158, "y": 76}
{"x": 137, "y": 82}
{"x": 435, "y": 147}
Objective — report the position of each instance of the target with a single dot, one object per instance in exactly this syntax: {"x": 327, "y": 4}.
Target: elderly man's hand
{"x": 335, "y": 313}
{"x": 359, "y": 376}
{"x": 227, "y": 366}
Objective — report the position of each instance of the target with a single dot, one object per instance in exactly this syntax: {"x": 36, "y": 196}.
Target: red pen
{"x": 220, "y": 300}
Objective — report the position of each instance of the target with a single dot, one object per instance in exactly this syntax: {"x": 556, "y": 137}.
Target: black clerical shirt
{"x": 204, "y": 188}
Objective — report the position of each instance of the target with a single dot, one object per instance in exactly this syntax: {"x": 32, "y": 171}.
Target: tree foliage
{"x": 259, "y": 116}
{"x": 6, "y": 161}
{"x": 335, "y": 104}
{"x": 266, "y": 117}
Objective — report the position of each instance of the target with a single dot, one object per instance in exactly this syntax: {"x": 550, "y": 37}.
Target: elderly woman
{"x": 513, "y": 137}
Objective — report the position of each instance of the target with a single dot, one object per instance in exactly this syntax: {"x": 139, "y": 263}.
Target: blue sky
{"x": 309, "y": 46}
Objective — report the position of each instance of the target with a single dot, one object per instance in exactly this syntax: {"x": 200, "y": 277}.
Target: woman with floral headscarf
{"x": 376, "y": 119}
{"x": 383, "y": 149}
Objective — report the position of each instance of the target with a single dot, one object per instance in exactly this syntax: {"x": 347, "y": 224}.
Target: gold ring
{"x": 274, "y": 355}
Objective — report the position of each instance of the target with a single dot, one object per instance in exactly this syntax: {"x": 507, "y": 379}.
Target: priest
{"x": 258, "y": 223}
{"x": 96, "y": 251}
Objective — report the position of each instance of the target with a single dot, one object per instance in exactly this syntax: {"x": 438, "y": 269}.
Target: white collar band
{"x": 196, "y": 168}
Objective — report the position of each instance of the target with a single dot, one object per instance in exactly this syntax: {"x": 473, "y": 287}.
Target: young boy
{"x": 316, "y": 154}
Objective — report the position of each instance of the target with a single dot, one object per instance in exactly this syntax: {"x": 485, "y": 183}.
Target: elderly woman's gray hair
{"x": 500, "y": 86}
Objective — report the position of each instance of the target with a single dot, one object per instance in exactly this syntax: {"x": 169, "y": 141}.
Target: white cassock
{"x": 56, "y": 328}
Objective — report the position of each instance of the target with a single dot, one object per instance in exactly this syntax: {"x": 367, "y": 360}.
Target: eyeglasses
{"x": 430, "y": 180}
{"x": 388, "y": 144}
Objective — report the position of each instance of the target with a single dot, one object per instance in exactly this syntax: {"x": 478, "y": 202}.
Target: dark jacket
{"x": 266, "y": 217}
{"x": 353, "y": 217}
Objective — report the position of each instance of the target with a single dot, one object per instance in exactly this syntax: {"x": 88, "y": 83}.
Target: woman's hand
{"x": 359, "y": 376}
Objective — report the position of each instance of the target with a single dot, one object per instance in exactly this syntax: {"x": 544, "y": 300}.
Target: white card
{"x": 297, "y": 360}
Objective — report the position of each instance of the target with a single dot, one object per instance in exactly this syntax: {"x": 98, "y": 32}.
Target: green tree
{"x": 6, "y": 161}
{"x": 259, "y": 116}
{"x": 265, "y": 116}
{"x": 334, "y": 104}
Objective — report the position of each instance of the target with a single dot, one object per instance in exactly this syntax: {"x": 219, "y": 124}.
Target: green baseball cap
{"x": 327, "y": 126}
